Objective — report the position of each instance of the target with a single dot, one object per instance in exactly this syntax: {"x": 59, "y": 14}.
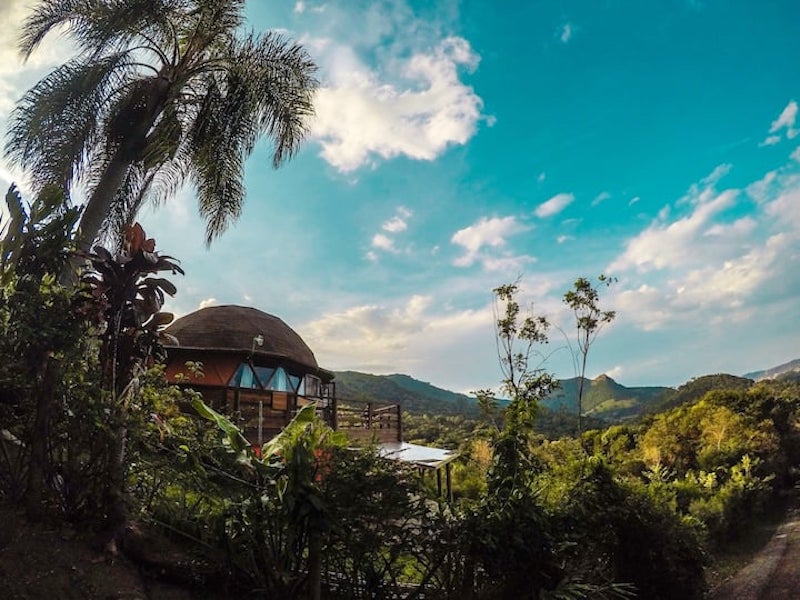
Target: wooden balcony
{"x": 261, "y": 414}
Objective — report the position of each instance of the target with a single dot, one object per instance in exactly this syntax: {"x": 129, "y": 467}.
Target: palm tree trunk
{"x": 138, "y": 124}
{"x": 99, "y": 205}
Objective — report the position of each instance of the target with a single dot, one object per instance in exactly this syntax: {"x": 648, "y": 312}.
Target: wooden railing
{"x": 267, "y": 412}
{"x": 368, "y": 421}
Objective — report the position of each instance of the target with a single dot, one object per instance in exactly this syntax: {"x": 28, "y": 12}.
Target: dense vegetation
{"x": 92, "y": 434}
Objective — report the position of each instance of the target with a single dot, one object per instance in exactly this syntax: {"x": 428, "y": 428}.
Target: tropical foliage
{"x": 92, "y": 433}
{"x": 160, "y": 92}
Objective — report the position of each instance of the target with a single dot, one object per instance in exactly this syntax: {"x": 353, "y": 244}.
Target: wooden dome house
{"x": 258, "y": 371}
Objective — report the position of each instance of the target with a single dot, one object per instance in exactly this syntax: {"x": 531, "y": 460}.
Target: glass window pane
{"x": 294, "y": 381}
{"x": 248, "y": 380}
{"x": 279, "y": 382}
{"x": 264, "y": 375}
{"x": 237, "y": 376}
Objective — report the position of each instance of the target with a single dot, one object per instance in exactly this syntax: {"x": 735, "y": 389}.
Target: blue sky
{"x": 459, "y": 146}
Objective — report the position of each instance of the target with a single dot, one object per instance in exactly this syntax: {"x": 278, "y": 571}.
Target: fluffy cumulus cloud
{"x": 783, "y": 125}
{"x": 709, "y": 267}
{"x": 485, "y": 241}
{"x": 412, "y": 335}
{"x": 554, "y": 205}
{"x": 365, "y": 113}
{"x": 674, "y": 243}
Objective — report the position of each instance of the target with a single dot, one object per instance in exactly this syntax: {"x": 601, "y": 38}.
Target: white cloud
{"x": 704, "y": 269}
{"x": 795, "y": 155}
{"x": 761, "y": 189}
{"x": 542, "y": 176}
{"x": 646, "y": 306}
{"x": 207, "y": 302}
{"x": 412, "y": 336}
{"x": 491, "y": 233}
{"x": 554, "y": 205}
{"x": 399, "y": 222}
{"x": 507, "y": 263}
{"x": 784, "y": 124}
{"x": 786, "y": 119}
{"x": 669, "y": 245}
{"x": 362, "y": 115}
{"x": 394, "y": 225}
{"x": 633, "y": 200}
{"x": 786, "y": 207}
{"x": 740, "y": 228}
{"x": 601, "y": 197}
{"x": 16, "y": 76}
{"x": 725, "y": 286}
{"x": 383, "y": 242}
{"x": 566, "y": 33}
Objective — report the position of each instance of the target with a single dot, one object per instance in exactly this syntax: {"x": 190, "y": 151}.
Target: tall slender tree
{"x": 584, "y": 300}
{"x": 159, "y": 93}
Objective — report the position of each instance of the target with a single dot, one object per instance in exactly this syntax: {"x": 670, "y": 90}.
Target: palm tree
{"x": 159, "y": 93}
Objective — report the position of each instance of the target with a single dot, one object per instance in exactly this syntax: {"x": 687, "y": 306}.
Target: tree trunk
{"x": 136, "y": 120}
{"x": 37, "y": 470}
{"x": 117, "y": 506}
{"x": 99, "y": 205}
{"x": 315, "y": 565}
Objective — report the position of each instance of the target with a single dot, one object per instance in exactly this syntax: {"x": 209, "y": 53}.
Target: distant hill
{"x": 784, "y": 369}
{"x": 604, "y": 398}
{"x": 413, "y": 395}
{"x": 696, "y": 388}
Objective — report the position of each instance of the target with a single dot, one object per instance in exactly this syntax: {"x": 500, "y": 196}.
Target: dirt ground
{"x": 56, "y": 562}
{"x": 774, "y": 572}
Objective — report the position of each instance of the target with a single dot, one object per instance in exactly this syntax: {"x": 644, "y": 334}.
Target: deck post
{"x": 369, "y": 416}
{"x": 399, "y": 424}
{"x": 449, "y": 483}
{"x": 439, "y": 481}
{"x": 334, "y": 407}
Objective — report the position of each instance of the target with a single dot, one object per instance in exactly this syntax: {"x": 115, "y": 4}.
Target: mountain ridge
{"x": 603, "y": 397}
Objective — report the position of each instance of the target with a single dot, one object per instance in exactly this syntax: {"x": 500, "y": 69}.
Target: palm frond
{"x": 281, "y": 77}
{"x": 217, "y": 154}
{"x": 98, "y": 25}
{"x": 54, "y": 128}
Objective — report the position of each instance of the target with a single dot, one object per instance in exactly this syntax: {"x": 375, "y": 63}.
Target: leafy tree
{"x": 159, "y": 93}
{"x": 125, "y": 301}
{"x": 584, "y": 300}
{"x": 518, "y": 337}
{"x": 39, "y": 330}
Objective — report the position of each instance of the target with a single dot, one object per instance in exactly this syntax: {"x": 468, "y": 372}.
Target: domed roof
{"x": 234, "y": 327}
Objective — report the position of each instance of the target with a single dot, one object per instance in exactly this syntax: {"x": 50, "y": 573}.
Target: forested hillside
{"x": 413, "y": 395}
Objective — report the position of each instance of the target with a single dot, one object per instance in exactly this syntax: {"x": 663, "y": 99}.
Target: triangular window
{"x": 264, "y": 375}
{"x": 244, "y": 377}
{"x": 279, "y": 381}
